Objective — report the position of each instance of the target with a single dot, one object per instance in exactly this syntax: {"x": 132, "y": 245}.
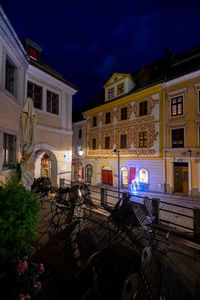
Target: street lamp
{"x": 118, "y": 156}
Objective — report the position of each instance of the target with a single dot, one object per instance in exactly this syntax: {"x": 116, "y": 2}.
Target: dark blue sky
{"x": 88, "y": 40}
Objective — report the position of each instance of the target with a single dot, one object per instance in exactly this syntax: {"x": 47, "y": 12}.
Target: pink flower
{"x": 22, "y": 267}
{"x": 41, "y": 269}
{"x": 22, "y": 297}
{"x": 37, "y": 285}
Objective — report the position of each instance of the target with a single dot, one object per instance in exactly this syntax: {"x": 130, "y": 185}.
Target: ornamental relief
{"x": 98, "y": 120}
{"x": 93, "y": 136}
{"x": 144, "y": 152}
{"x": 150, "y": 103}
{"x": 103, "y": 135}
{"x": 118, "y": 133}
{"x": 152, "y": 134}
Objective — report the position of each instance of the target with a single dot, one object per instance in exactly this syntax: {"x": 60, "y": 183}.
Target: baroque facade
{"x": 130, "y": 123}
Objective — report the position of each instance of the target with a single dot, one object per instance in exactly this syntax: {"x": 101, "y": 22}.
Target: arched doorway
{"x": 124, "y": 177}
{"x": 46, "y": 165}
{"x": 88, "y": 173}
{"x": 107, "y": 175}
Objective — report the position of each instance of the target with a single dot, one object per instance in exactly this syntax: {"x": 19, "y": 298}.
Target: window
{"x": 120, "y": 89}
{"x": 94, "y": 144}
{"x": 111, "y": 93}
{"x": 107, "y": 118}
{"x": 124, "y": 176}
{"x": 178, "y": 138}
{"x": 107, "y": 142}
{"x": 123, "y": 141}
{"x": 143, "y": 141}
{"x": 94, "y": 121}
{"x": 35, "y": 92}
{"x": 33, "y": 53}
{"x": 143, "y": 176}
{"x": 52, "y": 103}
{"x": 80, "y": 133}
{"x": 177, "y": 106}
{"x": 143, "y": 108}
{"x": 8, "y": 150}
{"x": 11, "y": 80}
{"x": 123, "y": 113}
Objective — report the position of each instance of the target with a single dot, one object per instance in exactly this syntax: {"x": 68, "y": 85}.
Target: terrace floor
{"x": 65, "y": 254}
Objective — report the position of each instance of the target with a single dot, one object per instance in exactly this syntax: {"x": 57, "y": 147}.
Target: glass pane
{"x": 30, "y": 86}
{"x": 48, "y": 105}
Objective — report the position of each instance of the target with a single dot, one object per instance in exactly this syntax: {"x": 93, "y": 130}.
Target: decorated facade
{"x": 131, "y": 123}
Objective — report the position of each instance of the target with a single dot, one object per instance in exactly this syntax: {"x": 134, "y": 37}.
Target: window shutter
{"x": 132, "y": 174}
{"x": 82, "y": 172}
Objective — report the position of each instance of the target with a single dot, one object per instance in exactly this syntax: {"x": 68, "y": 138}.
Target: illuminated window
{"x": 123, "y": 141}
{"x": 143, "y": 139}
{"x": 178, "y": 138}
{"x": 177, "y": 106}
{"x": 94, "y": 144}
{"x": 143, "y": 108}
{"x": 143, "y": 176}
{"x": 107, "y": 142}
{"x": 124, "y": 174}
{"x": 124, "y": 113}
{"x": 9, "y": 154}
{"x": 52, "y": 103}
{"x": 94, "y": 121}
{"x": 111, "y": 93}
{"x": 11, "y": 77}
{"x": 35, "y": 92}
{"x": 107, "y": 118}
{"x": 120, "y": 89}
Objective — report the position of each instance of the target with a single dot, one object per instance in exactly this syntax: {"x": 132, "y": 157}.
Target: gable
{"x": 117, "y": 77}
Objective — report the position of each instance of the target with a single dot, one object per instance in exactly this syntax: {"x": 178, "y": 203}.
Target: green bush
{"x": 19, "y": 215}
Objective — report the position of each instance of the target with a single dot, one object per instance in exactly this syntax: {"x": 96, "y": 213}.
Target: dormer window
{"x": 111, "y": 93}
{"x": 120, "y": 88}
{"x": 33, "y": 53}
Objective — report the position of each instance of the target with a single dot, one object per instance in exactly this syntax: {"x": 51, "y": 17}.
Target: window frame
{"x": 171, "y": 99}
{"x": 107, "y": 137}
{"x": 111, "y": 88}
{"x": 178, "y": 128}
{"x": 140, "y": 182}
{"x": 16, "y": 89}
{"x": 94, "y": 148}
{"x": 141, "y": 103}
{"x": 6, "y": 149}
{"x": 33, "y": 98}
{"x": 124, "y": 119}
{"x": 52, "y": 100}
{"x": 106, "y": 117}
{"x": 94, "y": 118}
{"x": 143, "y": 132}
{"x": 121, "y": 84}
{"x": 122, "y": 135}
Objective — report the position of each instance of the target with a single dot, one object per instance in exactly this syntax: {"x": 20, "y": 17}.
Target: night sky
{"x": 88, "y": 40}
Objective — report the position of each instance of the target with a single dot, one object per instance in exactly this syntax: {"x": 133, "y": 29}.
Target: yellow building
{"x": 181, "y": 148}
{"x": 130, "y": 121}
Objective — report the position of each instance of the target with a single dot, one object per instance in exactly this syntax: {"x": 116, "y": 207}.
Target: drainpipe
{"x": 164, "y": 139}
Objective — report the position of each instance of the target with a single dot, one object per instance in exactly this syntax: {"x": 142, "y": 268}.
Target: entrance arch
{"x": 46, "y": 165}
{"x": 108, "y": 173}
